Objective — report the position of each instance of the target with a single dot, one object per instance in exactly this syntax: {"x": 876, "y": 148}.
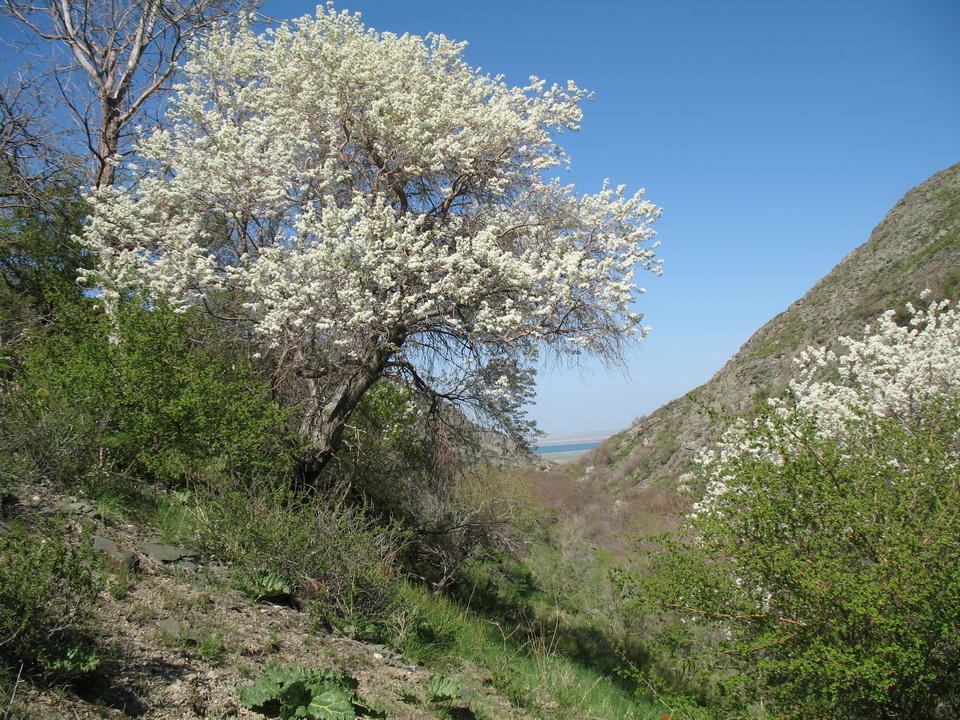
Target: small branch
{"x": 725, "y": 616}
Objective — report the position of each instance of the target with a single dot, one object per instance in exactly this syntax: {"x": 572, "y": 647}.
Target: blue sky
{"x": 775, "y": 134}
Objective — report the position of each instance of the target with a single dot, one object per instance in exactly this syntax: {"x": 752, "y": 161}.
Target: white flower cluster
{"x": 339, "y": 183}
{"x": 895, "y": 371}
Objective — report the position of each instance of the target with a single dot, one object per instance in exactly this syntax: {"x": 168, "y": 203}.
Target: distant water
{"x": 566, "y": 448}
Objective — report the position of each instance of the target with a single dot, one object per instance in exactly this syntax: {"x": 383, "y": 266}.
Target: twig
{"x": 13, "y": 694}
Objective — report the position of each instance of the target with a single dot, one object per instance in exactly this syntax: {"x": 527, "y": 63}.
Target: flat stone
{"x": 119, "y": 555}
{"x": 166, "y": 553}
{"x": 81, "y": 508}
{"x": 47, "y": 512}
{"x": 178, "y": 631}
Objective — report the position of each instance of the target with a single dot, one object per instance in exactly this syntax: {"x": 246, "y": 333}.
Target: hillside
{"x": 178, "y": 639}
{"x": 917, "y": 246}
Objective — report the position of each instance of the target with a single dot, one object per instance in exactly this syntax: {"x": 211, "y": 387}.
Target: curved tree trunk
{"x": 329, "y": 407}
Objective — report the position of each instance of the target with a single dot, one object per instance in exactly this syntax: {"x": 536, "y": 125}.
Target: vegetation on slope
{"x": 916, "y": 247}
{"x": 193, "y": 525}
{"x": 161, "y": 427}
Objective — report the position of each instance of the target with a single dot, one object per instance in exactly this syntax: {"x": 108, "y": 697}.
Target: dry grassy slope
{"x": 916, "y": 246}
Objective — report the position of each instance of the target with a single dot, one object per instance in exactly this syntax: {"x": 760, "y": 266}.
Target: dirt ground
{"x": 176, "y": 639}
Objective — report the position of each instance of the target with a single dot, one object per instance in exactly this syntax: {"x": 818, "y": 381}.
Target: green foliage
{"x": 211, "y": 648}
{"x": 414, "y": 465}
{"x": 68, "y": 657}
{"x": 261, "y": 586}
{"x": 391, "y": 441}
{"x": 47, "y": 592}
{"x": 339, "y": 562}
{"x": 429, "y": 628}
{"x": 441, "y": 689}
{"x": 39, "y": 257}
{"x": 292, "y": 692}
{"x": 170, "y": 400}
{"x": 523, "y": 661}
{"x": 828, "y": 584}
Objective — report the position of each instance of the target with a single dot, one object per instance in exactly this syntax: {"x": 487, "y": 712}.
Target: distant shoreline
{"x": 582, "y": 438}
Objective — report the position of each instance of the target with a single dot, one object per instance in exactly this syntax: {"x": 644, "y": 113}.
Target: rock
{"x": 178, "y": 631}
{"x": 166, "y": 554}
{"x": 81, "y": 507}
{"x": 47, "y": 512}
{"x": 4, "y": 529}
{"x": 119, "y": 555}
{"x": 229, "y": 603}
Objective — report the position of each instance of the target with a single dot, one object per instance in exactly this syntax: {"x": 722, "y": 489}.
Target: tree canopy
{"x": 360, "y": 204}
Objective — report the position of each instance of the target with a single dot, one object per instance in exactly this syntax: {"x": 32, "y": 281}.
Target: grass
{"x": 539, "y": 644}
{"x": 538, "y": 667}
{"x": 211, "y": 648}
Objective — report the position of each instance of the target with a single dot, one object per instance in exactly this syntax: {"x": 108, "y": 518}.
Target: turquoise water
{"x": 567, "y": 447}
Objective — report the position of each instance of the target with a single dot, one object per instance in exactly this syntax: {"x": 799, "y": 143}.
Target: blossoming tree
{"x": 363, "y": 205}
{"x": 823, "y": 557}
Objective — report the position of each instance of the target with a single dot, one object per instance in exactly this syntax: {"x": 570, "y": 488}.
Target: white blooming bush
{"x": 823, "y": 555}
{"x": 361, "y": 204}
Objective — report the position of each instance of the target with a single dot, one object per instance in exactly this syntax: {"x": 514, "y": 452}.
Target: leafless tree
{"x": 30, "y": 146}
{"x": 108, "y": 59}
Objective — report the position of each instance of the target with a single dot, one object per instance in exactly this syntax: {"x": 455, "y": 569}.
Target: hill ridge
{"x": 916, "y": 246}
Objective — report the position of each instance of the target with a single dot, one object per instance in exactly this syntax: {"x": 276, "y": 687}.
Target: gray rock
{"x": 166, "y": 554}
{"x": 178, "y": 631}
{"x": 80, "y": 508}
{"x": 47, "y": 512}
{"x": 119, "y": 555}
{"x": 219, "y": 570}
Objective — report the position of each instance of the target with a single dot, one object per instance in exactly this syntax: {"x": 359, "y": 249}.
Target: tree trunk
{"x": 325, "y": 423}
{"x": 109, "y": 142}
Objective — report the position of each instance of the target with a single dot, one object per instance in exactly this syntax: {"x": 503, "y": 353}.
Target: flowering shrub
{"x": 363, "y": 205}
{"x": 821, "y": 564}
{"x": 896, "y": 372}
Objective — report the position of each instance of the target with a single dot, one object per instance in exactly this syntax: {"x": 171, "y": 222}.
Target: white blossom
{"x": 369, "y": 200}
{"x": 894, "y": 371}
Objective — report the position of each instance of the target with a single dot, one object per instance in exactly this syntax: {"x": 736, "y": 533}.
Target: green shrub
{"x": 146, "y": 391}
{"x": 828, "y": 582}
{"x": 39, "y": 254}
{"x": 262, "y": 586}
{"x": 441, "y": 689}
{"x": 47, "y": 591}
{"x": 340, "y": 563}
{"x": 426, "y": 627}
{"x": 414, "y": 464}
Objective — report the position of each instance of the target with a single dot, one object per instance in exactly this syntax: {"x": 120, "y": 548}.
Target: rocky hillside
{"x": 917, "y": 246}
{"x": 177, "y": 640}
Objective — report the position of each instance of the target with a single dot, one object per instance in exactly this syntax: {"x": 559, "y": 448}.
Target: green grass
{"x": 537, "y": 668}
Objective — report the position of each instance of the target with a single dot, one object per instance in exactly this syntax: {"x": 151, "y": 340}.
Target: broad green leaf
{"x": 440, "y": 688}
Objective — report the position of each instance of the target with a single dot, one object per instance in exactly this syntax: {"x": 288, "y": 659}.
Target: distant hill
{"x": 917, "y": 246}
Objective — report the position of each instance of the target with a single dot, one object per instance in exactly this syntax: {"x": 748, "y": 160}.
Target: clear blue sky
{"x": 775, "y": 134}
